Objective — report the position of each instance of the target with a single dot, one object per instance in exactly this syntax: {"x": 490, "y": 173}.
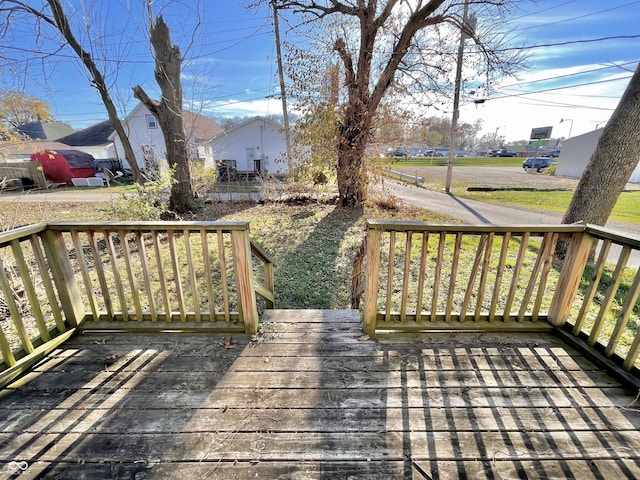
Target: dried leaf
{"x": 228, "y": 343}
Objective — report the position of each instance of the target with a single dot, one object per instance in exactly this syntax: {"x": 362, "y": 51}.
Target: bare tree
{"x": 611, "y": 164}
{"x": 385, "y": 44}
{"x": 168, "y": 111}
{"x": 58, "y": 19}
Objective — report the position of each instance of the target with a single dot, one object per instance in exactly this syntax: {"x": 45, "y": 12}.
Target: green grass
{"x": 627, "y": 208}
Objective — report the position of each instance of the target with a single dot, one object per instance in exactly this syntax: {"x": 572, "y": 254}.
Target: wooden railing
{"x": 59, "y": 278}
{"x": 418, "y": 277}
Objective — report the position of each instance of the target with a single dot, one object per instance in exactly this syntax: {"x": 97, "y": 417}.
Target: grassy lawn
{"x": 312, "y": 246}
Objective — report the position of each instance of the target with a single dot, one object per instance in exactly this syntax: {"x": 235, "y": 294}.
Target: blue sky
{"x": 232, "y": 64}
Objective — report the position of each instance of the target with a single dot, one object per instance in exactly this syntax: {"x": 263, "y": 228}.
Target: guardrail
{"x": 59, "y": 278}
{"x": 418, "y": 277}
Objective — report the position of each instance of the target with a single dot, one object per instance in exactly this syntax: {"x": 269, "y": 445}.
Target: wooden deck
{"x": 311, "y": 397}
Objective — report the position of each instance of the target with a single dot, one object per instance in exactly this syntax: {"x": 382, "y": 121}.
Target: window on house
{"x": 151, "y": 121}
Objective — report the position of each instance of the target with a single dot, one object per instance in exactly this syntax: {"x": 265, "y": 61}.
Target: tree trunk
{"x": 62, "y": 24}
{"x": 610, "y": 166}
{"x": 612, "y": 163}
{"x": 169, "y": 114}
{"x": 352, "y": 141}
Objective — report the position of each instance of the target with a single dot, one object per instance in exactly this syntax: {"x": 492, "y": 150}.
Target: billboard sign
{"x": 541, "y": 133}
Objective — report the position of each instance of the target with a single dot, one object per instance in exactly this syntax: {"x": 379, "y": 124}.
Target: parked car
{"x": 433, "y": 153}
{"x": 551, "y": 153}
{"x": 503, "y": 152}
{"x": 398, "y": 152}
{"x": 539, "y": 163}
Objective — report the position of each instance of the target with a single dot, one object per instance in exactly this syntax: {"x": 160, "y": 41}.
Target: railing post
{"x": 372, "y": 254}
{"x": 579, "y": 250}
{"x": 244, "y": 279}
{"x": 63, "y": 277}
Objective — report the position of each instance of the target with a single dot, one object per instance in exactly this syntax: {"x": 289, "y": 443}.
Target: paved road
{"x": 57, "y": 196}
{"x": 479, "y": 213}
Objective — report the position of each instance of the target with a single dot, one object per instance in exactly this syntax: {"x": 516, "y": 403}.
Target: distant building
{"x": 94, "y": 140}
{"x": 49, "y": 130}
{"x": 257, "y": 145}
{"x": 147, "y": 141}
{"x": 576, "y": 153}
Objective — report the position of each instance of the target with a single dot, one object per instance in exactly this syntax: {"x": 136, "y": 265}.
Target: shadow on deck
{"x": 310, "y": 397}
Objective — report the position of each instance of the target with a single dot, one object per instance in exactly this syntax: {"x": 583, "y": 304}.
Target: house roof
{"x": 94, "y": 135}
{"x": 201, "y": 127}
{"x": 240, "y": 126}
{"x": 45, "y": 130}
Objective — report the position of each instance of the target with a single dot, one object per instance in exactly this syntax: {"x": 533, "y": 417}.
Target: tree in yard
{"x": 392, "y": 44}
{"x": 18, "y": 108}
{"x": 611, "y": 164}
{"x": 168, "y": 111}
{"x": 55, "y": 17}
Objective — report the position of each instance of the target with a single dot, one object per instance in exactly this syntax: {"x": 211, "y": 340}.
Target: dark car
{"x": 539, "y": 163}
{"x": 398, "y": 152}
{"x": 503, "y": 152}
{"x": 433, "y": 153}
{"x": 552, "y": 153}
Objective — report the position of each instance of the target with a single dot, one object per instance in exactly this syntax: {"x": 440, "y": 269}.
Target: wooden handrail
{"x": 62, "y": 277}
{"x": 417, "y": 276}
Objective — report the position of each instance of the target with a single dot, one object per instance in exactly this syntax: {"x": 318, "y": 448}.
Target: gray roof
{"x": 47, "y": 130}
{"x": 91, "y": 136}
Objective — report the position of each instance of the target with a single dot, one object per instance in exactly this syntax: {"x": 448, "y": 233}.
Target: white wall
{"x": 576, "y": 153}
{"x": 99, "y": 152}
{"x": 140, "y": 135}
{"x": 266, "y": 138}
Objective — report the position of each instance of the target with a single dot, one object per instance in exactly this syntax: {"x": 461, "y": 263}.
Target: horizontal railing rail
{"x": 58, "y": 278}
{"x": 415, "y": 276}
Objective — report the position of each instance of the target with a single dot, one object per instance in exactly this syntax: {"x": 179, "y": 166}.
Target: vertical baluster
{"x": 522, "y": 251}
{"x": 14, "y": 311}
{"x": 223, "y": 277}
{"x": 27, "y": 285}
{"x": 206, "y": 260}
{"x": 486, "y": 264}
{"x": 437, "y": 276}
{"x": 405, "y": 278}
{"x": 116, "y": 275}
{"x": 146, "y": 275}
{"x": 391, "y": 263}
{"x": 609, "y": 295}
{"x": 102, "y": 278}
{"x": 472, "y": 276}
{"x": 162, "y": 278}
{"x": 177, "y": 279}
{"x": 193, "y": 279}
{"x": 86, "y": 276}
{"x": 423, "y": 274}
{"x": 504, "y": 251}
{"x": 43, "y": 268}
{"x": 454, "y": 277}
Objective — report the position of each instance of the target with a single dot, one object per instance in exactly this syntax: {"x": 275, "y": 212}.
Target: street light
{"x": 570, "y": 126}
{"x": 495, "y": 137}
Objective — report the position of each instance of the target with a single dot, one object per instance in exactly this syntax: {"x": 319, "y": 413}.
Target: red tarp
{"x": 63, "y": 165}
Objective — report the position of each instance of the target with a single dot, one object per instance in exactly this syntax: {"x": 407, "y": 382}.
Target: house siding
{"x": 149, "y": 142}
{"x": 263, "y": 136}
{"x": 576, "y": 153}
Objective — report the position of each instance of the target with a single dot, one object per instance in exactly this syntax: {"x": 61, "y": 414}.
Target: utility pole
{"x": 456, "y": 97}
{"x": 285, "y": 115}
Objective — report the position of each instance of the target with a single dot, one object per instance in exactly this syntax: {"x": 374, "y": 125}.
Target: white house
{"x": 147, "y": 141}
{"x": 257, "y": 145}
{"x": 576, "y": 153}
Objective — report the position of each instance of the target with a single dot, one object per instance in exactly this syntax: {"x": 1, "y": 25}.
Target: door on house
{"x": 251, "y": 157}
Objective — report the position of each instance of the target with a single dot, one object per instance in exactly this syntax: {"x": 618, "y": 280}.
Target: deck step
{"x": 311, "y": 316}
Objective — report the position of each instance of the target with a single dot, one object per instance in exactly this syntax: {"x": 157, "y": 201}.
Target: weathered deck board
{"x": 310, "y": 397}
